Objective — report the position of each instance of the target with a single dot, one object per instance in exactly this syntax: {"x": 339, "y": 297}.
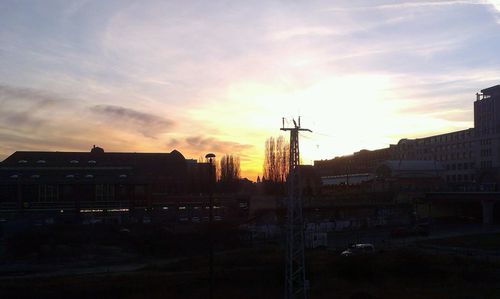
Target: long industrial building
{"x": 108, "y": 186}
{"x": 468, "y": 160}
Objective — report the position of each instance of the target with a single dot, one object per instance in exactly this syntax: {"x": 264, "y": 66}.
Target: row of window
{"x": 460, "y": 178}
{"x": 455, "y": 156}
{"x": 448, "y": 157}
{"x": 460, "y": 166}
{"x": 485, "y": 142}
{"x": 43, "y": 162}
{"x": 444, "y": 138}
{"x": 68, "y": 176}
{"x": 486, "y": 152}
{"x": 445, "y": 148}
{"x": 486, "y": 164}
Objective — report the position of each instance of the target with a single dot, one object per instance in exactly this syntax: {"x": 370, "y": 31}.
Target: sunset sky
{"x": 218, "y": 76}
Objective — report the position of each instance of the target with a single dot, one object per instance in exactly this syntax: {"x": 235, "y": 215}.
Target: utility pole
{"x": 211, "y": 173}
{"x": 295, "y": 277}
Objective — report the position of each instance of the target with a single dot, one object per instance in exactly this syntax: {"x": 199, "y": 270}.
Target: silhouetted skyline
{"x": 218, "y": 77}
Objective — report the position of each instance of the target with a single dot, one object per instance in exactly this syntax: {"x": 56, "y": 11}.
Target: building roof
{"x": 491, "y": 90}
{"x": 93, "y": 164}
{"x": 413, "y": 168}
{"x": 77, "y": 159}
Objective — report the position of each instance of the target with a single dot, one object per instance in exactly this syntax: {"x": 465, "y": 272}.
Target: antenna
{"x": 295, "y": 278}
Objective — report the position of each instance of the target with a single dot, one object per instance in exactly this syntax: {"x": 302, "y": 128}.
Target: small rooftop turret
{"x": 97, "y": 150}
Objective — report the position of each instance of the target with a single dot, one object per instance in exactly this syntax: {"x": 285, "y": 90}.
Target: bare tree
{"x": 270, "y": 160}
{"x": 229, "y": 168}
{"x": 276, "y": 159}
{"x": 282, "y": 156}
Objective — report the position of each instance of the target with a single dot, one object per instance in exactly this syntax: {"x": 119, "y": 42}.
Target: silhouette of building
{"x": 409, "y": 175}
{"x": 455, "y": 150}
{"x": 470, "y": 158}
{"x": 352, "y": 169}
{"x": 111, "y": 185}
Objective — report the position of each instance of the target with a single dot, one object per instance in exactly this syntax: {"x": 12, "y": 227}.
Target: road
{"x": 381, "y": 238}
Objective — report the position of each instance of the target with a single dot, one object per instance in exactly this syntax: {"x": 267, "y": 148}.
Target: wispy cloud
{"x": 28, "y": 96}
{"x": 28, "y": 109}
{"x": 495, "y": 3}
{"x": 412, "y": 4}
{"x": 148, "y": 124}
{"x": 303, "y": 31}
{"x": 214, "y": 144}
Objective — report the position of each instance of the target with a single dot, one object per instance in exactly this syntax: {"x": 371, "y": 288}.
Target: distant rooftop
{"x": 95, "y": 156}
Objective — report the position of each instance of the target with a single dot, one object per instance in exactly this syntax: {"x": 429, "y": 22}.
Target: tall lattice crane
{"x": 295, "y": 278}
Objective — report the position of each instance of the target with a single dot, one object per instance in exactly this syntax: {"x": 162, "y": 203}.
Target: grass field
{"x": 258, "y": 273}
{"x": 481, "y": 242}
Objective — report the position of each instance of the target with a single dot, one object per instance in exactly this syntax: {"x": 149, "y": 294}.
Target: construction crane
{"x": 295, "y": 278}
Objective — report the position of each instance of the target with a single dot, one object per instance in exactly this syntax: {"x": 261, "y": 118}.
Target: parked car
{"x": 357, "y": 249}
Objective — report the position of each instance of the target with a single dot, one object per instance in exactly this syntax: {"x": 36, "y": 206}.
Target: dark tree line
{"x": 229, "y": 168}
{"x": 229, "y": 173}
{"x": 276, "y": 163}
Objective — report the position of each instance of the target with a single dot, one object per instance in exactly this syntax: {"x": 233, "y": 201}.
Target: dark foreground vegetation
{"x": 165, "y": 271}
{"x": 476, "y": 242}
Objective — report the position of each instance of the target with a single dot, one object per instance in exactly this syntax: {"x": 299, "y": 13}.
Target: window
{"x": 48, "y": 193}
{"x": 104, "y": 192}
{"x": 486, "y": 164}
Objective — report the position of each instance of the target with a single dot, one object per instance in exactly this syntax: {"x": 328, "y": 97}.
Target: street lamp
{"x": 211, "y": 179}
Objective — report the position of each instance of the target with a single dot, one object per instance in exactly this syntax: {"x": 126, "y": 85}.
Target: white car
{"x": 356, "y": 249}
